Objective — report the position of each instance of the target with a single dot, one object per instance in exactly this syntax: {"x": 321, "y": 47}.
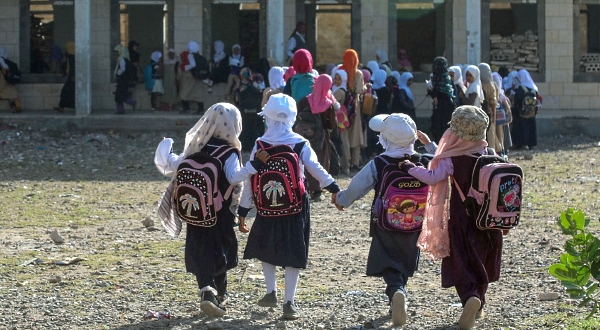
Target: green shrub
{"x": 579, "y": 268}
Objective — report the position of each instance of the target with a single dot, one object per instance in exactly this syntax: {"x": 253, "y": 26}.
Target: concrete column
{"x": 83, "y": 63}
{"x": 275, "y": 37}
{"x": 473, "y": 32}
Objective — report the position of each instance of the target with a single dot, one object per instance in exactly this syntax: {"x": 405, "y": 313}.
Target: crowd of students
{"x": 463, "y": 124}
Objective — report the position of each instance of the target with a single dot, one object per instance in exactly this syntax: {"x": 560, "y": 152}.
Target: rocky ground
{"x": 98, "y": 193}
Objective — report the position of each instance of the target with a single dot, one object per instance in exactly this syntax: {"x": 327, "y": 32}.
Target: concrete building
{"x": 558, "y": 40}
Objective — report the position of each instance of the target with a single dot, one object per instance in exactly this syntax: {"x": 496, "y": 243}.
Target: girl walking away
{"x": 442, "y": 93}
{"x": 67, "y": 93}
{"x": 470, "y": 257}
{"x": 190, "y": 88}
{"x": 8, "y": 91}
{"x": 210, "y": 251}
{"x": 281, "y": 237}
{"x": 125, "y": 72}
{"x": 153, "y": 79}
{"x": 316, "y": 118}
{"x": 393, "y": 255}
{"x": 524, "y": 130}
{"x": 301, "y": 84}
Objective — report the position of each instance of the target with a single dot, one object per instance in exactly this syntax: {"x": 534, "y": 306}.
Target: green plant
{"x": 579, "y": 268}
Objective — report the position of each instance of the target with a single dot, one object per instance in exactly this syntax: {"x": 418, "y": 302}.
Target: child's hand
{"x": 262, "y": 155}
{"x": 338, "y": 206}
{"x": 242, "y": 225}
{"x": 423, "y": 138}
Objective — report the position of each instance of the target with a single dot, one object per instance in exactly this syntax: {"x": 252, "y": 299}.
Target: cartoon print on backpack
{"x": 403, "y": 213}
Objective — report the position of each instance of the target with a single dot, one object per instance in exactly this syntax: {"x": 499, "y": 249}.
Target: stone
{"x": 56, "y": 238}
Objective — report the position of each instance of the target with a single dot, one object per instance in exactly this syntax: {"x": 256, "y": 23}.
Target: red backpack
{"x": 277, "y": 188}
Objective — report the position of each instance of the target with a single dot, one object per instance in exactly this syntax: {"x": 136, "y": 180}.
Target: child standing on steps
{"x": 470, "y": 257}
{"x": 282, "y": 240}
{"x": 209, "y": 251}
{"x": 393, "y": 255}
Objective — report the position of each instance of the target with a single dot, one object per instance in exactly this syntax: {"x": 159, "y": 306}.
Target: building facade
{"x": 558, "y": 41}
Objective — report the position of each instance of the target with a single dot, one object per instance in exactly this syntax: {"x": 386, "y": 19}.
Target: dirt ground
{"x": 96, "y": 189}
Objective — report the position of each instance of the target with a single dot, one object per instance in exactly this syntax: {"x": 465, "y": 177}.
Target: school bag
{"x": 530, "y": 102}
{"x": 342, "y": 117}
{"x": 14, "y": 74}
{"x": 130, "y": 73}
{"x": 310, "y": 126}
{"x": 200, "y": 71}
{"x": 148, "y": 81}
{"x": 196, "y": 194}
{"x": 277, "y": 188}
{"x": 494, "y": 197}
{"x": 401, "y": 199}
{"x": 301, "y": 85}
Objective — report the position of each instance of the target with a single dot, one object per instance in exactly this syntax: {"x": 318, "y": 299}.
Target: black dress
{"x": 441, "y": 114}
{"x": 281, "y": 241}
{"x": 523, "y": 130}
{"x": 67, "y": 93}
{"x": 213, "y": 250}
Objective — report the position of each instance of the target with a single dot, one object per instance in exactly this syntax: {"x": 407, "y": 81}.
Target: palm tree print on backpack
{"x": 189, "y": 203}
{"x": 272, "y": 189}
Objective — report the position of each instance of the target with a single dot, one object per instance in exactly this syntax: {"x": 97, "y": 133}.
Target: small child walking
{"x": 470, "y": 257}
{"x": 209, "y": 251}
{"x": 393, "y": 255}
{"x": 282, "y": 240}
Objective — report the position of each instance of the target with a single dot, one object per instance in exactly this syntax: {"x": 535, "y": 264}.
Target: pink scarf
{"x": 434, "y": 238}
{"x": 321, "y": 98}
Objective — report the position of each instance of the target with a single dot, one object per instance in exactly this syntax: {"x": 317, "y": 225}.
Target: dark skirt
{"x": 67, "y": 94}
{"x": 440, "y": 116}
{"x": 475, "y": 255}
{"x": 212, "y": 250}
{"x": 281, "y": 241}
{"x": 396, "y": 250}
{"x": 122, "y": 92}
{"x": 524, "y": 131}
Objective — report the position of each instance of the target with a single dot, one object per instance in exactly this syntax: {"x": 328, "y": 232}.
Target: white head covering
{"x": 458, "y": 77}
{"x": 485, "y": 73}
{"x": 383, "y": 56}
{"x": 509, "y": 81}
{"x": 219, "y": 51}
{"x": 239, "y": 55}
{"x": 379, "y": 79}
{"x": 525, "y": 79}
{"x": 276, "y": 77}
{"x": 155, "y": 56}
{"x": 475, "y": 86}
{"x": 373, "y": 66}
{"x": 396, "y": 75}
{"x": 193, "y": 47}
{"x": 397, "y": 134}
{"x": 403, "y": 84}
{"x": 463, "y": 69}
{"x": 168, "y": 60}
{"x": 280, "y": 115}
{"x": 344, "y": 85}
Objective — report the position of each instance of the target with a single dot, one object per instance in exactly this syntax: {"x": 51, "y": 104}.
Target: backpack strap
{"x": 298, "y": 147}
{"x": 460, "y": 192}
{"x": 220, "y": 152}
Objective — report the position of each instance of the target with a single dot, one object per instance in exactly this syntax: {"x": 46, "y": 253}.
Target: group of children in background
{"x": 470, "y": 257}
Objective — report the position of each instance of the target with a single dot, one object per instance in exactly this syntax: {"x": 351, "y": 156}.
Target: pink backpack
{"x": 495, "y": 194}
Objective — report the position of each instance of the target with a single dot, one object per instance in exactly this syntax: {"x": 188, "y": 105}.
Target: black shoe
{"x": 290, "y": 311}
{"x": 210, "y": 306}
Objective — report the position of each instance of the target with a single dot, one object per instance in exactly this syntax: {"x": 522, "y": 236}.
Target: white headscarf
{"x": 155, "y": 56}
{"x": 168, "y": 60}
{"x": 396, "y": 75}
{"x": 403, "y": 84}
{"x": 276, "y": 77}
{"x": 397, "y": 134}
{"x": 508, "y": 81}
{"x": 373, "y": 66}
{"x": 280, "y": 115}
{"x": 525, "y": 80}
{"x": 193, "y": 47}
{"x": 239, "y": 55}
{"x": 475, "y": 86}
{"x": 383, "y": 56}
{"x": 485, "y": 73}
{"x": 458, "y": 77}
{"x": 379, "y": 79}
{"x": 344, "y": 85}
{"x": 219, "y": 51}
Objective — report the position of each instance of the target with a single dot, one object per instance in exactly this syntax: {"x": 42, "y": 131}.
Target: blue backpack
{"x": 148, "y": 81}
{"x": 301, "y": 85}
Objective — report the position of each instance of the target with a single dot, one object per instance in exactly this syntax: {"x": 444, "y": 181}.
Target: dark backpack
{"x": 196, "y": 193}
{"x": 277, "y": 188}
{"x": 401, "y": 198}
{"x": 495, "y": 193}
{"x": 529, "y": 108}
{"x": 200, "y": 71}
{"x": 310, "y": 126}
{"x": 13, "y": 76}
{"x": 130, "y": 73}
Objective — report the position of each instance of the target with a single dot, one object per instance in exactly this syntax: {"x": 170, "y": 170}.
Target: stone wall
{"x": 9, "y": 28}
{"x": 374, "y": 29}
